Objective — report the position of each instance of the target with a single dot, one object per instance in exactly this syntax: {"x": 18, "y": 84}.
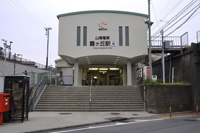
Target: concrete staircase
{"x": 103, "y": 98}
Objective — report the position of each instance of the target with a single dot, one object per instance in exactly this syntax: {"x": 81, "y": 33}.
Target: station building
{"x": 101, "y": 47}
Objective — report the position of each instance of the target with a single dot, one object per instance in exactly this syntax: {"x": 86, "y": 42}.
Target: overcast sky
{"x": 23, "y": 21}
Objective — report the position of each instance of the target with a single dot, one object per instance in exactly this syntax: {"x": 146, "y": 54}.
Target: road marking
{"x": 112, "y": 125}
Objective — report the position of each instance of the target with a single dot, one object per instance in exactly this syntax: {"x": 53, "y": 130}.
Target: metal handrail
{"x": 37, "y": 90}
{"x": 90, "y": 96}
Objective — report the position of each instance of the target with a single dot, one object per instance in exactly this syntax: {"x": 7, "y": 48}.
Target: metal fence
{"x": 174, "y": 41}
{"x": 20, "y": 60}
{"x": 198, "y": 36}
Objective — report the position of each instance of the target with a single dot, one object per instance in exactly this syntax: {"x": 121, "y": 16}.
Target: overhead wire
{"x": 183, "y": 17}
{"x": 173, "y": 5}
{"x": 184, "y": 21}
{"x": 180, "y": 13}
{"x": 28, "y": 12}
{"x": 24, "y": 14}
{"x": 155, "y": 13}
{"x": 175, "y": 17}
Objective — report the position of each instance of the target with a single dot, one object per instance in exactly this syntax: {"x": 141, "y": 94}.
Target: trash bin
{"x": 4, "y": 105}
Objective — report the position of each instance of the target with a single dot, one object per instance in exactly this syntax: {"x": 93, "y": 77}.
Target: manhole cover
{"x": 135, "y": 114}
{"x": 65, "y": 113}
{"x": 115, "y": 113}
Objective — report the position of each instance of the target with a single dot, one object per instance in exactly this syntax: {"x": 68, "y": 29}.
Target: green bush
{"x": 160, "y": 82}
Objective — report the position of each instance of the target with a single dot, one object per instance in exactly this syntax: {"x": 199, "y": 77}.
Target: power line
{"x": 23, "y": 14}
{"x": 28, "y": 12}
{"x": 169, "y": 12}
{"x": 181, "y": 18}
{"x": 155, "y": 13}
{"x": 184, "y": 21}
{"x": 175, "y": 17}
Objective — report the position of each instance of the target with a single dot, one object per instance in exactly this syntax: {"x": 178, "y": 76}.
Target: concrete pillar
{"x": 129, "y": 73}
{"x": 80, "y": 77}
{"x": 76, "y": 72}
{"x": 124, "y": 75}
{"x": 134, "y": 75}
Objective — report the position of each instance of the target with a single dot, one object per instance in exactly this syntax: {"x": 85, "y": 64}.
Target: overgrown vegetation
{"x": 160, "y": 82}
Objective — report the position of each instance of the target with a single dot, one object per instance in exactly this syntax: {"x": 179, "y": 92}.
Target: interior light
{"x": 93, "y": 68}
{"x": 103, "y": 69}
{"x": 114, "y": 68}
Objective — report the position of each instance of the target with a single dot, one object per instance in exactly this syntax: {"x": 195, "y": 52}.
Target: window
{"x": 78, "y": 36}
{"x": 127, "y": 35}
{"x": 85, "y": 36}
{"x": 120, "y": 36}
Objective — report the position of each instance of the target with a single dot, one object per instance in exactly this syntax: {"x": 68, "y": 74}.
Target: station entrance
{"x": 102, "y": 76}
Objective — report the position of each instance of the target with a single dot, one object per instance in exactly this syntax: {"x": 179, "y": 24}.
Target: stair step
{"x": 112, "y": 98}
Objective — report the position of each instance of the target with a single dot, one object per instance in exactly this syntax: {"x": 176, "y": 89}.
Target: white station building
{"x": 101, "y": 47}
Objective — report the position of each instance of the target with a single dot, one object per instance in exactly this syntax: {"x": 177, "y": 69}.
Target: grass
{"x": 160, "y": 82}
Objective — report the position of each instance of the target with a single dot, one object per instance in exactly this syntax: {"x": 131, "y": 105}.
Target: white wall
{"x": 68, "y": 34}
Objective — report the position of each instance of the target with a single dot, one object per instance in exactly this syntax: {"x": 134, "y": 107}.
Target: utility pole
{"x": 47, "y": 33}
{"x": 163, "y": 56}
{"x": 149, "y": 26}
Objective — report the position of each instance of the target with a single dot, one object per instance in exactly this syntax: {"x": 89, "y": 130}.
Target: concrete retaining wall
{"x": 19, "y": 68}
{"x": 160, "y": 97}
{"x": 186, "y": 68}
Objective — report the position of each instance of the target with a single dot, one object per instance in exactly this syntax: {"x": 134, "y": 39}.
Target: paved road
{"x": 149, "y": 125}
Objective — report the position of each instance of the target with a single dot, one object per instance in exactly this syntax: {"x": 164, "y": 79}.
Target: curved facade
{"x": 108, "y": 39}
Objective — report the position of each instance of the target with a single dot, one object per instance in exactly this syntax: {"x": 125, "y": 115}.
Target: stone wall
{"x": 160, "y": 97}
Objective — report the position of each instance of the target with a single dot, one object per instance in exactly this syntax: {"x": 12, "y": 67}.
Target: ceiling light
{"x": 103, "y": 69}
{"x": 114, "y": 68}
{"x": 93, "y": 68}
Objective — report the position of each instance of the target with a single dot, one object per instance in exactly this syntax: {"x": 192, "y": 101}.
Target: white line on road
{"x": 112, "y": 125}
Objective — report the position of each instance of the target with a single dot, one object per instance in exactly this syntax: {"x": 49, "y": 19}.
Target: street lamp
{"x": 10, "y": 49}
{"x": 5, "y": 47}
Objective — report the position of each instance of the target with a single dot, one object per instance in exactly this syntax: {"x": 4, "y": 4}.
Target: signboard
{"x": 146, "y": 72}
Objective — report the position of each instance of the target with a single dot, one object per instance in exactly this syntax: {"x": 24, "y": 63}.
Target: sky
{"x": 23, "y": 21}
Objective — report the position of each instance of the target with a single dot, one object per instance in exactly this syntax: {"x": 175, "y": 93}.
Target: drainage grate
{"x": 113, "y": 119}
{"x": 115, "y": 113}
{"x": 65, "y": 113}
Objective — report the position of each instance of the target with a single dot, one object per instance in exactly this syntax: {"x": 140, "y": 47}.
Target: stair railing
{"x": 36, "y": 92}
{"x": 90, "y": 97}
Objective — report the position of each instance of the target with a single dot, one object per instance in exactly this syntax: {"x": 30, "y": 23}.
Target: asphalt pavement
{"x": 186, "y": 124}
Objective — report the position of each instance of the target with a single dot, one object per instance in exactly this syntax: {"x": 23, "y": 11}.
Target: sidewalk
{"x": 51, "y": 120}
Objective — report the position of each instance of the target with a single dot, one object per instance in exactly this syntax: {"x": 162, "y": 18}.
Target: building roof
{"x": 101, "y": 11}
